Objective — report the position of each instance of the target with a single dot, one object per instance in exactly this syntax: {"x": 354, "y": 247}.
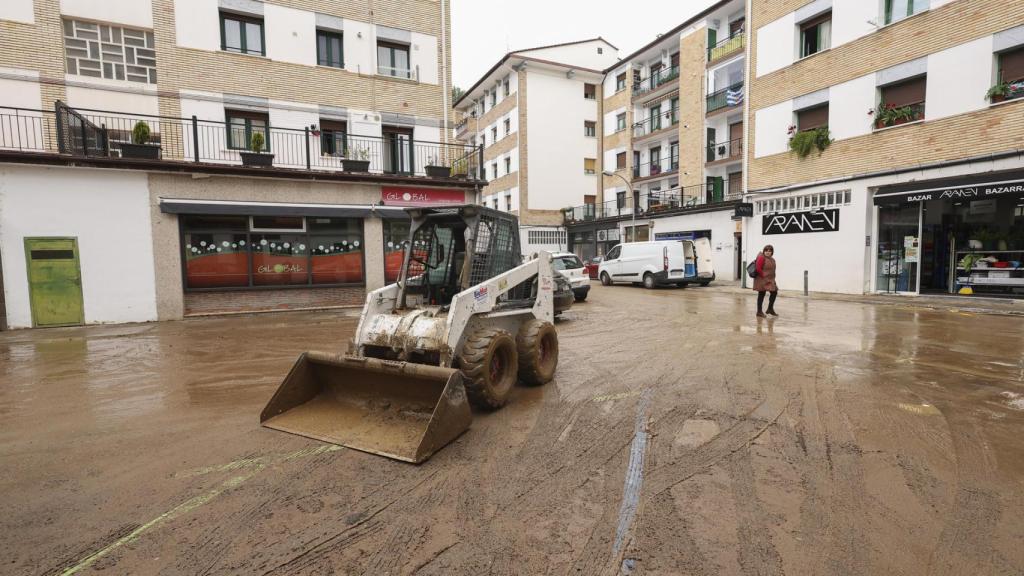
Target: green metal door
{"x": 54, "y": 281}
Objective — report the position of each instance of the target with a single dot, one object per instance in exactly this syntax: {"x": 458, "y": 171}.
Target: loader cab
{"x": 437, "y": 254}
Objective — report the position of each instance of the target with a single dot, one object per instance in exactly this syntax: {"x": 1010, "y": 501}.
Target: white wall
{"x": 852, "y": 19}
{"x": 772, "y": 125}
{"x": 775, "y": 44}
{"x": 556, "y": 111}
{"x": 20, "y": 93}
{"x": 16, "y": 131}
{"x": 610, "y": 127}
{"x": 723, "y": 239}
{"x": 290, "y": 34}
{"x": 958, "y": 79}
{"x": 18, "y": 11}
{"x": 423, "y": 57}
{"x": 107, "y": 211}
{"x": 360, "y": 53}
{"x": 583, "y": 55}
{"x": 197, "y": 24}
{"x": 849, "y": 103}
{"x": 126, "y": 102}
{"x": 132, "y": 13}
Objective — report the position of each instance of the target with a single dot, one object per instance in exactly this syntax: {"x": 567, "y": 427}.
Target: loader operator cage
{"x": 439, "y": 241}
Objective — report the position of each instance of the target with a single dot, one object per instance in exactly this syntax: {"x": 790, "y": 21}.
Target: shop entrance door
{"x": 898, "y": 249}
{"x": 54, "y": 281}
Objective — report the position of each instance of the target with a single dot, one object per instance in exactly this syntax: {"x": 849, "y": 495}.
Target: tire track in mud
{"x": 757, "y": 554}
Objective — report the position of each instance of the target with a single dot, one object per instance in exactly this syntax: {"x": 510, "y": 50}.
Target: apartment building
{"x": 100, "y": 222}
{"x": 536, "y": 115}
{"x": 672, "y": 141}
{"x": 885, "y": 144}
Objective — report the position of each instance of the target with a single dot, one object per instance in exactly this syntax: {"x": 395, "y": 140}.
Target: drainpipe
{"x": 745, "y": 226}
{"x": 445, "y": 85}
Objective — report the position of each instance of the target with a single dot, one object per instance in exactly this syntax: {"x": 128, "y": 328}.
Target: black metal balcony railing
{"x": 655, "y": 81}
{"x": 731, "y": 96}
{"x": 664, "y": 119}
{"x": 733, "y": 149}
{"x": 659, "y": 167}
{"x": 685, "y": 198}
{"x": 727, "y": 46}
{"x": 102, "y": 134}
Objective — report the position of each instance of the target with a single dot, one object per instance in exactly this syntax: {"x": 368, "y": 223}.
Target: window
{"x": 620, "y": 122}
{"x": 654, "y": 115}
{"x": 506, "y": 86}
{"x": 329, "y": 49}
{"x": 600, "y": 50}
{"x": 333, "y": 138}
{"x": 812, "y": 118}
{"x": 620, "y": 161}
{"x": 675, "y": 111}
{"x": 242, "y": 34}
{"x": 673, "y": 151}
{"x": 508, "y": 202}
{"x": 110, "y": 52}
{"x": 396, "y": 239}
{"x": 736, "y": 27}
{"x": 655, "y": 157}
{"x": 508, "y": 126}
{"x": 494, "y": 134}
{"x": 241, "y": 127}
{"x": 620, "y": 202}
{"x": 1011, "y": 66}
{"x": 590, "y": 91}
{"x": 816, "y": 35}
{"x": 236, "y": 252}
{"x": 540, "y": 237}
{"x": 896, "y": 10}
{"x": 902, "y": 102}
{"x": 620, "y": 82}
{"x": 589, "y": 128}
{"x": 508, "y": 165}
{"x": 589, "y": 166}
{"x": 494, "y": 98}
{"x": 393, "y": 60}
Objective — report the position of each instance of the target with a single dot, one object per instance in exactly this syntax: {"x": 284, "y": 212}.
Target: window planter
{"x": 257, "y": 159}
{"x": 438, "y": 171}
{"x": 1004, "y": 92}
{"x": 140, "y": 151}
{"x": 348, "y": 165}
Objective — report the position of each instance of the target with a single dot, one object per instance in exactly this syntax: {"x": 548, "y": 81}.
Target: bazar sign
{"x": 408, "y": 196}
{"x": 801, "y": 222}
{"x": 956, "y": 193}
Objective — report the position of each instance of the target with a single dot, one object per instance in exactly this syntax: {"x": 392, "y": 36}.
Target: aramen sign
{"x": 801, "y": 222}
{"x": 976, "y": 192}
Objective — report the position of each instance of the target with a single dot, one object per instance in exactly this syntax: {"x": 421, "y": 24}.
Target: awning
{"x": 235, "y": 208}
{"x": 974, "y": 187}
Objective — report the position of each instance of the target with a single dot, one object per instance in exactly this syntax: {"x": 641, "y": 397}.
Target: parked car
{"x": 568, "y": 265}
{"x": 563, "y": 294}
{"x": 592, "y": 265}
{"x": 658, "y": 263}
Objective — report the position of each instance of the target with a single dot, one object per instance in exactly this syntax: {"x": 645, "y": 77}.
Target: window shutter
{"x": 1011, "y": 65}
{"x": 812, "y": 118}
{"x": 620, "y": 160}
{"x": 905, "y": 93}
{"x": 827, "y": 16}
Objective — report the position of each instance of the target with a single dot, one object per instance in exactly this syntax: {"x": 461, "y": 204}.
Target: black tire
{"x": 606, "y": 280}
{"x": 537, "y": 344}
{"x": 649, "y": 281}
{"x": 705, "y": 284}
{"x": 581, "y": 297}
{"x": 490, "y": 366}
{"x": 682, "y": 284}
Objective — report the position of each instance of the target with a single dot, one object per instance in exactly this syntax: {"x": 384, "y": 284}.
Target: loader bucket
{"x": 395, "y": 409}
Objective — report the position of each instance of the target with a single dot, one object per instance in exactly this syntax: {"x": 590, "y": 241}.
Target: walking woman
{"x": 765, "y": 281}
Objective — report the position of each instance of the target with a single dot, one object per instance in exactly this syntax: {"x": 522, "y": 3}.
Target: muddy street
{"x": 680, "y": 436}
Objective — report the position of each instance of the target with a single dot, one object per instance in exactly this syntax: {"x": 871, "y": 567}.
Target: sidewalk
{"x": 970, "y": 304}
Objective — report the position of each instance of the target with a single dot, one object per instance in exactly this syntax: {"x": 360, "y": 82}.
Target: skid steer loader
{"x": 465, "y": 321}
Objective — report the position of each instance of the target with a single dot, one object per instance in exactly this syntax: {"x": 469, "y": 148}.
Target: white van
{"x": 658, "y": 263}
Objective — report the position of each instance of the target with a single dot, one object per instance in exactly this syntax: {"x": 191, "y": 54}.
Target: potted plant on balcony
{"x": 357, "y": 159}
{"x": 1005, "y": 91}
{"x": 257, "y": 157}
{"x": 887, "y": 115}
{"x": 140, "y": 146}
{"x": 435, "y": 170}
{"x": 803, "y": 143}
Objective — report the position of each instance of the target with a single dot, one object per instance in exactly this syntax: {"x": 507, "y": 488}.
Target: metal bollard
{"x": 805, "y": 282}
{"x": 743, "y": 274}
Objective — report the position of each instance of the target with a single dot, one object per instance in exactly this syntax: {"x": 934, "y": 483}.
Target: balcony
{"x": 97, "y": 134}
{"x": 726, "y": 98}
{"x": 651, "y": 84}
{"x": 662, "y": 167}
{"x": 726, "y": 48}
{"x": 677, "y": 200}
{"x": 725, "y": 152}
{"x": 661, "y": 121}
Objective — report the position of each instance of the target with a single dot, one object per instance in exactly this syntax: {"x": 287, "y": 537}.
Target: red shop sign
{"x": 405, "y": 196}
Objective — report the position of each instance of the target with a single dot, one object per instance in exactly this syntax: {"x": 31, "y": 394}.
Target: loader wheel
{"x": 537, "y": 343}
{"x": 490, "y": 365}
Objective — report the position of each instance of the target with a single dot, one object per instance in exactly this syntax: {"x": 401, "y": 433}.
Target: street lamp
{"x": 632, "y": 197}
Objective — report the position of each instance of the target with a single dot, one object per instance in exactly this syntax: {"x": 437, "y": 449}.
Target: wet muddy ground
{"x": 681, "y": 436}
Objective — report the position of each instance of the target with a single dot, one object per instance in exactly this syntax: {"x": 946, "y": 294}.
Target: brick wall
{"x": 997, "y": 129}
{"x": 38, "y": 47}
{"x": 199, "y": 303}
{"x": 692, "y": 68}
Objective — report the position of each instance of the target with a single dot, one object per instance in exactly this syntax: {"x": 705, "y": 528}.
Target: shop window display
{"x": 396, "y": 238}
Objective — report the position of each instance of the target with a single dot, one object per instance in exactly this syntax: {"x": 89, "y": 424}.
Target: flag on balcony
{"x": 734, "y": 97}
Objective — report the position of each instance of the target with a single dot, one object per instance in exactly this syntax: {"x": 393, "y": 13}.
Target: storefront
{"x": 953, "y": 236}
{"x": 590, "y": 240}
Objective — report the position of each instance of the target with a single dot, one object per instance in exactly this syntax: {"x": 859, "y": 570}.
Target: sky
{"x": 485, "y": 30}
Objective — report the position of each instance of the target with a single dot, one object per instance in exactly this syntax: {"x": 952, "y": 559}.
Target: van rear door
{"x": 676, "y": 261}
{"x": 705, "y": 267}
